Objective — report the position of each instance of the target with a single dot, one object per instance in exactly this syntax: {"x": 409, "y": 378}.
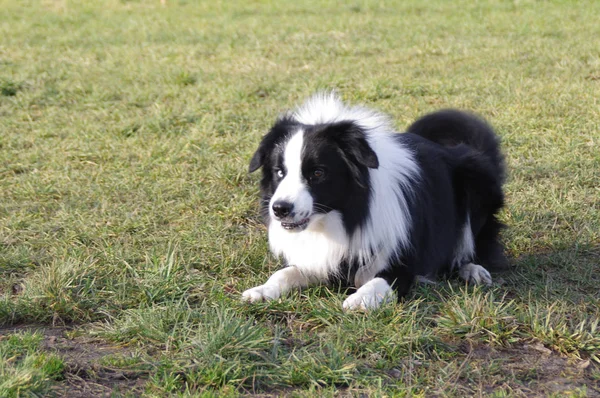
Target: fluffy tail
{"x": 451, "y": 128}
{"x": 480, "y": 172}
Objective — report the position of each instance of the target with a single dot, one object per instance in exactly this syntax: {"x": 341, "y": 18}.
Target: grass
{"x": 24, "y": 370}
{"x": 128, "y": 221}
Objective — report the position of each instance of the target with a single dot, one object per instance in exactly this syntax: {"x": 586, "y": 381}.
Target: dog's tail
{"x": 451, "y": 128}
{"x": 480, "y": 171}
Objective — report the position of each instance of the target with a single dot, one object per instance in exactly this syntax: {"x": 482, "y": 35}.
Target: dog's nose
{"x": 282, "y": 208}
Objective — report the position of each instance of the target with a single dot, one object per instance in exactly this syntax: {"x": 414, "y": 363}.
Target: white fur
{"x": 388, "y": 226}
{"x": 277, "y": 285}
{"x": 475, "y": 273}
{"x": 465, "y": 251}
{"x": 293, "y": 188}
{"x": 317, "y": 251}
{"x": 328, "y": 108}
{"x": 369, "y": 296}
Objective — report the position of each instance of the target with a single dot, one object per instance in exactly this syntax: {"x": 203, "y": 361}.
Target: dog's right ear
{"x": 278, "y": 133}
{"x": 257, "y": 159}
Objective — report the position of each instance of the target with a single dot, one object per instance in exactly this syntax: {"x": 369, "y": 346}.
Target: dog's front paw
{"x": 369, "y": 296}
{"x": 363, "y": 301}
{"x": 261, "y": 293}
{"x": 475, "y": 273}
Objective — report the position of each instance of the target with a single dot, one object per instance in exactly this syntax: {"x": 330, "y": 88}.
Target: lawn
{"x": 129, "y": 226}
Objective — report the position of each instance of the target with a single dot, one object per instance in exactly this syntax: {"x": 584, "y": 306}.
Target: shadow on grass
{"x": 571, "y": 274}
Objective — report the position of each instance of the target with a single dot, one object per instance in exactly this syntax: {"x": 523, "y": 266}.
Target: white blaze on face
{"x": 293, "y": 188}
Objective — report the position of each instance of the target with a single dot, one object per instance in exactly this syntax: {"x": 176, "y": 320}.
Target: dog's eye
{"x": 280, "y": 173}
{"x": 318, "y": 173}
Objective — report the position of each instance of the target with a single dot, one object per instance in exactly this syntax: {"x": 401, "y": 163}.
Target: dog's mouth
{"x": 300, "y": 225}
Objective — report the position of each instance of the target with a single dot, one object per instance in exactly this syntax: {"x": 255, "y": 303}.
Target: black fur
{"x": 462, "y": 172}
{"x": 479, "y": 175}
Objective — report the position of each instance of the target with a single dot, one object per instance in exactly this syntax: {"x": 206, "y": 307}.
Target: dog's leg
{"x": 369, "y": 296}
{"x": 280, "y": 283}
{"x": 475, "y": 273}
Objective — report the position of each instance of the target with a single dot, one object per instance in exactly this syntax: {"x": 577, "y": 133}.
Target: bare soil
{"x": 85, "y": 375}
{"x": 531, "y": 370}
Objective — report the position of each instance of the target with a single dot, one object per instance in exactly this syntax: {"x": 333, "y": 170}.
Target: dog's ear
{"x": 363, "y": 153}
{"x": 281, "y": 129}
{"x": 257, "y": 159}
{"x": 352, "y": 140}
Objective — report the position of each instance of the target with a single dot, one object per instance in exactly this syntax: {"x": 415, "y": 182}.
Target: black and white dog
{"x": 349, "y": 200}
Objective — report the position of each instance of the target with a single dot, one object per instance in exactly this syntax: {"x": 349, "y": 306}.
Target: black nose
{"x": 282, "y": 208}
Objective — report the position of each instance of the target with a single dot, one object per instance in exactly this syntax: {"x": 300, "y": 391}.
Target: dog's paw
{"x": 475, "y": 273}
{"x": 261, "y": 293}
{"x": 369, "y": 296}
{"x": 365, "y": 301}
{"x": 360, "y": 301}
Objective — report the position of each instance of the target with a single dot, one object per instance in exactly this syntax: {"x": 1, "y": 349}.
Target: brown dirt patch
{"x": 529, "y": 370}
{"x": 85, "y": 375}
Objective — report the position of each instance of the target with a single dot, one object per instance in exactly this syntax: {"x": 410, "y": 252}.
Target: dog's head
{"x": 311, "y": 170}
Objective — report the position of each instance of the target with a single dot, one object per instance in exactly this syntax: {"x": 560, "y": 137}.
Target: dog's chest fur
{"x": 316, "y": 251}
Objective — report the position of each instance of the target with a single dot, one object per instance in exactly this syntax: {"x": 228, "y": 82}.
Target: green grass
{"x": 25, "y": 369}
{"x": 128, "y": 218}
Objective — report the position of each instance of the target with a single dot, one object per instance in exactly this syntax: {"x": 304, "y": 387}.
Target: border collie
{"x": 348, "y": 200}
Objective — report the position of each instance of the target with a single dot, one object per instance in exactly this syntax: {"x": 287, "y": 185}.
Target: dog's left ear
{"x": 363, "y": 153}
{"x": 352, "y": 140}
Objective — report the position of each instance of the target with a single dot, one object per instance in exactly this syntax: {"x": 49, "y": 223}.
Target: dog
{"x": 348, "y": 200}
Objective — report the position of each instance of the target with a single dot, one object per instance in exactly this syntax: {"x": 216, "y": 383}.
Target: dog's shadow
{"x": 571, "y": 274}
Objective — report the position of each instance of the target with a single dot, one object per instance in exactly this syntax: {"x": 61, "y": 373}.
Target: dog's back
{"x": 480, "y": 170}
{"x": 451, "y": 128}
